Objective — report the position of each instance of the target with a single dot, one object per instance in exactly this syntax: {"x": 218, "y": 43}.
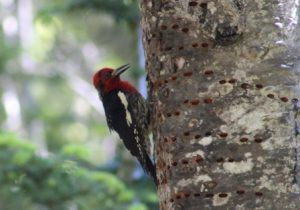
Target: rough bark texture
{"x": 224, "y": 93}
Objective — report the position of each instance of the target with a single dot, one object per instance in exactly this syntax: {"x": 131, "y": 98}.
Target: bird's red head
{"x": 107, "y": 79}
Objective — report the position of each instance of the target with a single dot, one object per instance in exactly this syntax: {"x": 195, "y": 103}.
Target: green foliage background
{"x": 61, "y": 154}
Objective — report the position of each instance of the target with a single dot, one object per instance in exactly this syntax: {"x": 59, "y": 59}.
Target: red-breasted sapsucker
{"x": 126, "y": 113}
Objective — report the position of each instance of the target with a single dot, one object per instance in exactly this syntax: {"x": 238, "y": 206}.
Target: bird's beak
{"x": 120, "y": 70}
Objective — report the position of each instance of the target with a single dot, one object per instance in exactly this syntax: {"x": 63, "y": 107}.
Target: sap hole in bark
{"x": 188, "y": 74}
{"x": 270, "y": 95}
{"x": 166, "y": 81}
{"x": 245, "y": 86}
{"x": 259, "y": 86}
{"x": 186, "y": 101}
{"x": 171, "y": 200}
{"x": 174, "y": 78}
{"x": 208, "y": 133}
{"x": 198, "y": 158}
{"x": 232, "y": 81}
{"x": 230, "y": 160}
{"x": 258, "y": 193}
{"x": 258, "y": 140}
{"x": 182, "y": 195}
{"x": 223, "y": 135}
{"x": 284, "y": 99}
{"x": 186, "y": 194}
{"x": 173, "y": 139}
{"x": 197, "y": 136}
{"x": 208, "y": 100}
{"x": 203, "y": 5}
{"x": 221, "y": 199}
{"x": 209, "y": 195}
{"x": 243, "y": 139}
{"x": 168, "y": 167}
{"x": 180, "y": 48}
{"x": 195, "y": 102}
{"x": 168, "y": 48}
{"x": 185, "y": 30}
{"x": 166, "y": 140}
{"x": 185, "y": 162}
{"x": 178, "y": 196}
{"x": 163, "y": 27}
{"x": 196, "y": 194}
{"x": 208, "y": 72}
{"x": 193, "y": 3}
{"x": 187, "y": 133}
{"x": 223, "y": 195}
{"x": 204, "y": 45}
{"x": 220, "y": 160}
{"x": 195, "y": 45}
{"x": 223, "y": 81}
{"x": 177, "y": 113}
{"x": 174, "y": 163}
{"x": 169, "y": 114}
{"x": 240, "y": 192}
{"x": 175, "y": 26}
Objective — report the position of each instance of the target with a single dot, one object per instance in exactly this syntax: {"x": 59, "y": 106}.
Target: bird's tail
{"x": 149, "y": 168}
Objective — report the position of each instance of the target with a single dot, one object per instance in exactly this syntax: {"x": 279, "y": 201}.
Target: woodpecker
{"x": 126, "y": 113}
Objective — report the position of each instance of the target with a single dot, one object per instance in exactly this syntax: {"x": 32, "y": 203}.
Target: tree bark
{"x": 224, "y": 94}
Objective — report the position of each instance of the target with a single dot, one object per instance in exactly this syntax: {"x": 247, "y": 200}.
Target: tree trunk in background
{"x": 224, "y": 91}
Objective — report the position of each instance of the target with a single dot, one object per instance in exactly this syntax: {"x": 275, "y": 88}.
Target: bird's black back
{"x": 133, "y": 129}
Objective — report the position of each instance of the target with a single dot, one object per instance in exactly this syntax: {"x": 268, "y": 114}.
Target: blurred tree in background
{"x": 49, "y": 52}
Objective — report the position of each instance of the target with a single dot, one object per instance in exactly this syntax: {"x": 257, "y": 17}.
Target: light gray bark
{"x": 224, "y": 91}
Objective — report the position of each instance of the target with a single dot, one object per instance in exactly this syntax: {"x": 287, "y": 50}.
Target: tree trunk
{"x": 224, "y": 91}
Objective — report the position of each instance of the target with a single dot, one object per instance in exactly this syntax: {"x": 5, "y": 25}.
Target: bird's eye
{"x": 108, "y": 75}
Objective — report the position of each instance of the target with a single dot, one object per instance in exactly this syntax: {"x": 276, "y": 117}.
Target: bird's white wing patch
{"x": 125, "y": 103}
